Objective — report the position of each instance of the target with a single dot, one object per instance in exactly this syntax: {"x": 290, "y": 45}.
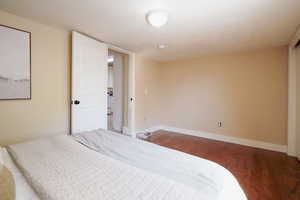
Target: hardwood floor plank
{"x": 263, "y": 174}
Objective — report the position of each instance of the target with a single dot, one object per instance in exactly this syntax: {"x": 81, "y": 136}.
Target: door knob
{"x": 76, "y": 102}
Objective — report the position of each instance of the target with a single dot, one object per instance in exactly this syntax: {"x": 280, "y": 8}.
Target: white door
{"x": 89, "y": 84}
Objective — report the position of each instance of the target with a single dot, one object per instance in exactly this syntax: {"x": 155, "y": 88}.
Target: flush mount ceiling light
{"x": 161, "y": 46}
{"x": 157, "y": 18}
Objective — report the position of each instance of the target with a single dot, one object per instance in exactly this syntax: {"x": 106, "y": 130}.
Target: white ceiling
{"x": 195, "y": 26}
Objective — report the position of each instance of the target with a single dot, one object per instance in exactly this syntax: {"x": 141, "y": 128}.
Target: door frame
{"x": 131, "y": 84}
{"x": 292, "y": 129}
{"x": 131, "y": 88}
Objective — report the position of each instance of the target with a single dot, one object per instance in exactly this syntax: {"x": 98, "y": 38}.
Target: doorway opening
{"x": 117, "y": 92}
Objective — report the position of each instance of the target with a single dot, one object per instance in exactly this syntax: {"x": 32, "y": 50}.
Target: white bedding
{"x": 208, "y": 177}
{"x": 23, "y": 189}
{"x": 59, "y": 168}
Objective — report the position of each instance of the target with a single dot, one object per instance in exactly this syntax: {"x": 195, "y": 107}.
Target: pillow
{"x": 7, "y": 183}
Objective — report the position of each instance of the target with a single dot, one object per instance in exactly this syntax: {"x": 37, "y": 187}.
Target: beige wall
{"x": 246, "y": 91}
{"x": 48, "y": 110}
{"x": 146, "y": 78}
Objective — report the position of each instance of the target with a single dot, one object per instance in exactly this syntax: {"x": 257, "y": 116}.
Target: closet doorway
{"x": 117, "y": 92}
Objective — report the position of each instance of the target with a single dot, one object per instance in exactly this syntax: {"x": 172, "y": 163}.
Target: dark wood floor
{"x": 263, "y": 174}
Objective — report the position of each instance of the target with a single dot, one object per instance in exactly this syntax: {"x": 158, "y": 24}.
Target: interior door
{"x": 89, "y": 84}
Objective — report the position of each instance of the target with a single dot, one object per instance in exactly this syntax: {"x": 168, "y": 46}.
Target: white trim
{"x": 214, "y": 136}
{"x": 292, "y": 148}
{"x": 131, "y": 94}
{"x": 292, "y": 103}
{"x": 149, "y": 130}
{"x": 125, "y": 131}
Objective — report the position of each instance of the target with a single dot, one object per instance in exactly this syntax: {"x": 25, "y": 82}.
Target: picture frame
{"x": 15, "y": 64}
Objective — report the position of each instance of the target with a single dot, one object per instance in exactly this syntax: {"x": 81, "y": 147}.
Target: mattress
{"x": 204, "y": 176}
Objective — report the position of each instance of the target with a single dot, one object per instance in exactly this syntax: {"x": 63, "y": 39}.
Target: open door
{"x": 89, "y": 84}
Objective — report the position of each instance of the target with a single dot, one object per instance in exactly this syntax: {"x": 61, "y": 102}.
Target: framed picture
{"x": 15, "y": 63}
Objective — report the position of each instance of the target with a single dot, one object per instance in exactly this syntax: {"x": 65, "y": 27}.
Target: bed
{"x": 23, "y": 190}
{"x": 104, "y": 165}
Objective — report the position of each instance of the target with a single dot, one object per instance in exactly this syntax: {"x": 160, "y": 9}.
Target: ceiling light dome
{"x": 157, "y": 18}
{"x": 161, "y": 46}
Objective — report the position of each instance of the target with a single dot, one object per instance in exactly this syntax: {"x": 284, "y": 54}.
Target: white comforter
{"x": 59, "y": 168}
{"x": 208, "y": 177}
{"x": 23, "y": 189}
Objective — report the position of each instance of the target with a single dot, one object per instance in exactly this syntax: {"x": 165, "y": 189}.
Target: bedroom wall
{"x": 246, "y": 91}
{"x": 146, "y": 92}
{"x": 48, "y": 110}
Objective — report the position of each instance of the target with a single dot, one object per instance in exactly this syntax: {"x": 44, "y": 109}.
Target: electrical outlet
{"x": 220, "y": 124}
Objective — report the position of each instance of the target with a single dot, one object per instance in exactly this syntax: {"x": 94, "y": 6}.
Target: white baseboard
{"x": 125, "y": 130}
{"x": 214, "y": 136}
{"x": 151, "y": 129}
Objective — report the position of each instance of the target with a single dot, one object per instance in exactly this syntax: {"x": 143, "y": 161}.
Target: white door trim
{"x": 292, "y": 149}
